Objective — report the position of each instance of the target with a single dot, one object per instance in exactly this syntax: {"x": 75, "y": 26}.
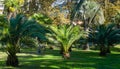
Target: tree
{"x": 66, "y": 35}
{"x": 110, "y": 8}
{"x": 12, "y": 7}
{"x": 105, "y": 36}
{"x": 91, "y": 14}
{"x": 117, "y": 20}
{"x": 35, "y": 6}
{"x": 17, "y": 28}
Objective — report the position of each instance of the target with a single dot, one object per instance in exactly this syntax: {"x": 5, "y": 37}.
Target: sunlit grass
{"x": 51, "y": 59}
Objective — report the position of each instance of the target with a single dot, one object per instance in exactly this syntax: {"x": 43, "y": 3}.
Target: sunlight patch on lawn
{"x": 42, "y": 66}
{"x": 53, "y": 66}
{"x": 113, "y": 52}
{"x": 117, "y": 46}
{"x": 51, "y": 56}
{"x": 24, "y": 54}
{"x": 3, "y": 55}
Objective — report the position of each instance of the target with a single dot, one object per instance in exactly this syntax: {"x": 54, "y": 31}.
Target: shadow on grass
{"x": 53, "y": 60}
{"x": 54, "y": 64}
{"x": 79, "y": 59}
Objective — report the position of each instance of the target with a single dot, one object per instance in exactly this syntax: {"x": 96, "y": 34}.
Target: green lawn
{"x": 53, "y": 60}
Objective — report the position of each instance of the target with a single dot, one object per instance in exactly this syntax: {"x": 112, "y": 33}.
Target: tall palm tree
{"x": 104, "y": 37}
{"x": 90, "y": 13}
{"x": 18, "y": 27}
{"x": 66, "y": 35}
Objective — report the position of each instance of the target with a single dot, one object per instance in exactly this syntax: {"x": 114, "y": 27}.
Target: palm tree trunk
{"x": 66, "y": 55}
{"x": 103, "y": 51}
{"x": 86, "y": 46}
{"x": 62, "y": 50}
{"x": 108, "y": 49}
{"x": 12, "y": 60}
{"x": 66, "y": 52}
{"x": 52, "y": 47}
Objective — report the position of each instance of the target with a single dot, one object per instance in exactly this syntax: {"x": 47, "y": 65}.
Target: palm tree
{"x": 66, "y": 35}
{"x": 90, "y": 13}
{"x": 18, "y": 27}
{"x": 92, "y": 16}
{"x": 104, "y": 37}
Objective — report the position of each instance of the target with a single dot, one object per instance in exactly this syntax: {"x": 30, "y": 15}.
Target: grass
{"x": 51, "y": 59}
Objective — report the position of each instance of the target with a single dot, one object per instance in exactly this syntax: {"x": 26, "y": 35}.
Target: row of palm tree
{"x": 20, "y": 27}
{"x": 17, "y": 29}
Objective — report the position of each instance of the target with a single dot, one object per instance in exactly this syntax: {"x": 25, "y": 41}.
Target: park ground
{"x": 51, "y": 59}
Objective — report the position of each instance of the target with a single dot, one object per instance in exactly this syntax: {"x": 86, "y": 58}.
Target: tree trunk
{"x": 66, "y": 55}
{"x": 86, "y": 29}
{"x": 12, "y": 60}
{"x": 62, "y": 50}
{"x": 108, "y": 49}
{"x": 52, "y": 47}
{"x": 103, "y": 51}
{"x": 86, "y": 47}
{"x": 9, "y": 15}
{"x": 18, "y": 50}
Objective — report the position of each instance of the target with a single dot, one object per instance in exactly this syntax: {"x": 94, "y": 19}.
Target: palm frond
{"x": 66, "y": 34}
{"x": 105, "y": 34}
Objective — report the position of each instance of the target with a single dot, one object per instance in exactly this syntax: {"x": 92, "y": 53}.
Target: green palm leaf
{"x": 66, "y": 35}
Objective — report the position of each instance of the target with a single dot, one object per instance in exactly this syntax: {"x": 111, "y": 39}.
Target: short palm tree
{"x": 66, "y": 35}
{"x": 104, "y": 37}
{"x": 18, "y": 27}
